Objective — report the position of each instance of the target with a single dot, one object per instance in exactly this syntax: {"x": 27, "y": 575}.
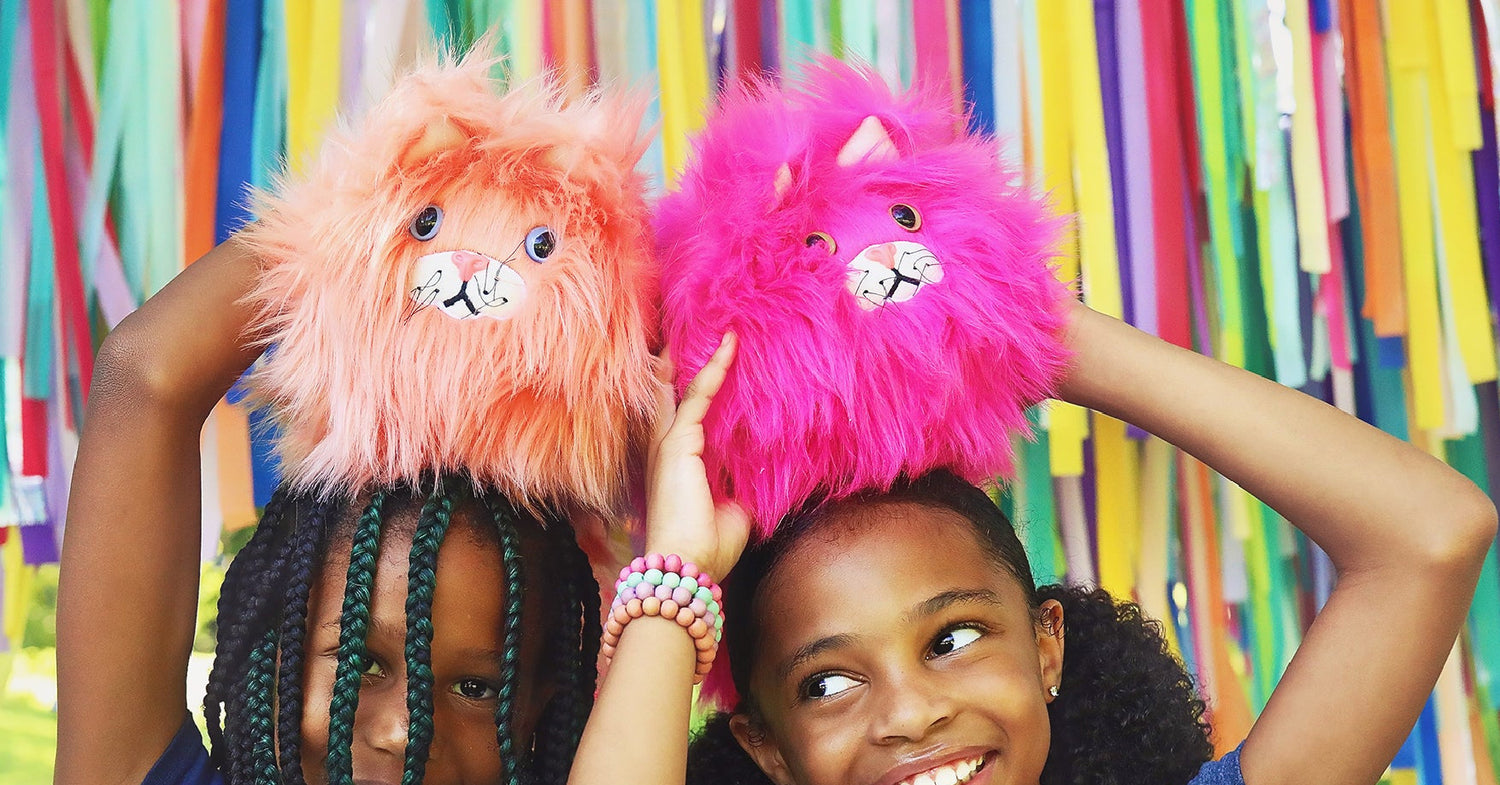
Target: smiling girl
{"x": 898, "y": 639}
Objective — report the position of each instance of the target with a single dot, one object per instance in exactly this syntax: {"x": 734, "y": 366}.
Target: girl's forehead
{"x": 889, "y": 549}
{"x": 880, "y": 530}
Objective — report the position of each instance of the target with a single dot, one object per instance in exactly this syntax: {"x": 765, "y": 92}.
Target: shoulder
{"x": 184, "y": 761}
{"x": 1224, "y": 771}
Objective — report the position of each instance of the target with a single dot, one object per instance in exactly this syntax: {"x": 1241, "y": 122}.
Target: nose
{"x": 883, "y": 255}
{"x": 381, "y": 721}
{"x": 469, "y": 263}
{"x": 907, "y": 710}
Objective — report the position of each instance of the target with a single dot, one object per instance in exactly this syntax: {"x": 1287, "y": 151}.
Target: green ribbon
{"x": 37, "y": 370}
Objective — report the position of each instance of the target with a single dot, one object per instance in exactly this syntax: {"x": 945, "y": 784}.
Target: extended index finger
{"x": 700, "y": 393}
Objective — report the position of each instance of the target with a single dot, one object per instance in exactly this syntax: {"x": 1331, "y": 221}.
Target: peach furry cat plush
{"x": 462, "y": 282}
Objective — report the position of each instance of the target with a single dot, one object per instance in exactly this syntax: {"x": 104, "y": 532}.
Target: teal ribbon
{"x": 38, "y": 369}
{"x": 268, "y": 139}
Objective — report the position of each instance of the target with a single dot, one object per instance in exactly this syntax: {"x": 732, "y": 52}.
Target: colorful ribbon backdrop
{"x": 1305, "y": 188}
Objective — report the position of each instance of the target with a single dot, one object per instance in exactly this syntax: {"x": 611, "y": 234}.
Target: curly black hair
{"x": 255, "y": 686}
{"x": 1128, "y": 712}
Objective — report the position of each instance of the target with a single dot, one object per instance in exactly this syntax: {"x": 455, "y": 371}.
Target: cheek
{"x": 317, "y": 690}
{"x": 1007, "y": 688}
{"x": 464, "y": 746}
{"x": 821, "y": 751}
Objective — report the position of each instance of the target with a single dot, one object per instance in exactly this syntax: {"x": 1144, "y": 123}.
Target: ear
{"x": 783, "y": 183}
{"x": 565, "y": 157}
{"x": 761, "y": 748}
{"x": 1050, "y": 632}
{"x": 439, "y": 136}
{"x": 870, "y": 142}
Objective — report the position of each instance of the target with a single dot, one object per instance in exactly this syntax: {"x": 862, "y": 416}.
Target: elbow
{"x": 1466, "y": 531}
{"x": 134, "y": 373}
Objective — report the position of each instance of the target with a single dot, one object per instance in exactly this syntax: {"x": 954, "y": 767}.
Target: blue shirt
{"x": 185, "y": 761}
{"x": 1225, "y": 771}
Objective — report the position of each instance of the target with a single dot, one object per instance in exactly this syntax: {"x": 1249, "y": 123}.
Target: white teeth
{"x": 953, "y": 774}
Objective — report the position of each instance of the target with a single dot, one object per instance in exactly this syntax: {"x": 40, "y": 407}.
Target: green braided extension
{"x": 260, "y": 682}
{"x": 510, "y": 670}
{"x": 421, "y": 579}
{"x": 353, "y": 625}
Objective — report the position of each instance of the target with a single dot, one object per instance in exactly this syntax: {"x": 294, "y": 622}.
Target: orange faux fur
{"x": 371, "y": 381}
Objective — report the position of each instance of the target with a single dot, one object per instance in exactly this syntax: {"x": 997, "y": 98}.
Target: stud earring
{"x": 1053, "y": 690}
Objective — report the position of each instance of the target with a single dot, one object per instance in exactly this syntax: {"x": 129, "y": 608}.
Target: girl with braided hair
{"x": 429, "y": 633}
{"x": 459, "y": 297}
{"x": 897, "y": 638}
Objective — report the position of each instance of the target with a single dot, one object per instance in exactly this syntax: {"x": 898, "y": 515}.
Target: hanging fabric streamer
{"x": 1312, "y": 228}
{"x": 1135, "y": 140}
{"x": 1408, "y": 57}
{"x": 1214, "y": 120}
{"x": 1374, "y": 173}
{"x": 684, "y": 79}
{"x": 46, "y": 55}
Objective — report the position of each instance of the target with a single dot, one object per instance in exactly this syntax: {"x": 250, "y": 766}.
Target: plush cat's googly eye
{"x": 823, "y": 239}
{"x": 907, "y": 216}
{"x": 540, "y": 243}
{"x": 425, "y": 226}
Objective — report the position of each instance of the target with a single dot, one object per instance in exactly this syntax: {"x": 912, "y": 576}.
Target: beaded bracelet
{"x": 657, "y": 585}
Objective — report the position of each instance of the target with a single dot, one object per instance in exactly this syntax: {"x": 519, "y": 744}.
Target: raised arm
{"x": 128, "y": 593}
{"x": 1406, "y": 533}
{"x": 652, "y": 671}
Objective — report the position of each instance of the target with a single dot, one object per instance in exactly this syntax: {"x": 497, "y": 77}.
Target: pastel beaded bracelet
{"x": 657, "y": 585}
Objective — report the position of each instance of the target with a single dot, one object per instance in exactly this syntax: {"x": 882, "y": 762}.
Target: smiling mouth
{"x": 955, "y": 773}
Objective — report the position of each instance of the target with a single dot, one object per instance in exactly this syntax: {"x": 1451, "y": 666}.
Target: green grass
{"x": 30, "y": 735}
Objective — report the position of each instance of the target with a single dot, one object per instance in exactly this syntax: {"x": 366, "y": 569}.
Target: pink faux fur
{"x": 838, "y": 387}
{"x": 373, "y": 385}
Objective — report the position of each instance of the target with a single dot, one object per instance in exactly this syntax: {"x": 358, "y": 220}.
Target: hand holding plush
{"x": 889, "y": 284}
{"x": 463, "y": 283}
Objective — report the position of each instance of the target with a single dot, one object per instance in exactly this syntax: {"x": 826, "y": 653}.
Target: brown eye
{"x": 821, "y": 238}
{"x": 907, "y": 216}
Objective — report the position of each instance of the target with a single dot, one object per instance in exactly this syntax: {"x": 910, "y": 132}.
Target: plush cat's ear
{"x": 869, "y": 142}
{"x": 439, "y": 136}
{"x": 782, "y": 183}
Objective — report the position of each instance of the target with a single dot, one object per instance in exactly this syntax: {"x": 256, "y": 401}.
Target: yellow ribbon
{"x": 313, "y": 54}
{"x": 1307, "y": 163}
{"x": 1407, "y": 55}
{"x": 683, "y": 67}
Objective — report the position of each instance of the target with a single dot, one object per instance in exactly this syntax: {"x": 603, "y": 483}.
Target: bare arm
{"x": 652, "y": 672}
{"x": 1407, "y": 534}
{"x": 128, "y": 593}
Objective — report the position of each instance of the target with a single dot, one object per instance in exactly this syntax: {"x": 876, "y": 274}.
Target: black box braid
{"x": 308, "y": 543}
{"x": 261, "y": 702}
{"x": 576, "y": 645}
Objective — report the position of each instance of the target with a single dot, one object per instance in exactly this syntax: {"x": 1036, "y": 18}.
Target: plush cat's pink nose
{"x": 469, "y": 263}
{"x": 883, "y": 255}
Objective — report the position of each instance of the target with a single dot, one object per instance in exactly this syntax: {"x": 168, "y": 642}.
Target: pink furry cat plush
{"x": 463, "y": 282}
{"x": 890, "y": 288}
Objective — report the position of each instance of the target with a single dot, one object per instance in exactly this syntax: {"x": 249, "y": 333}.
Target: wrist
{"x": 664, "y": 586}
{"x": 1100, "y": 345}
